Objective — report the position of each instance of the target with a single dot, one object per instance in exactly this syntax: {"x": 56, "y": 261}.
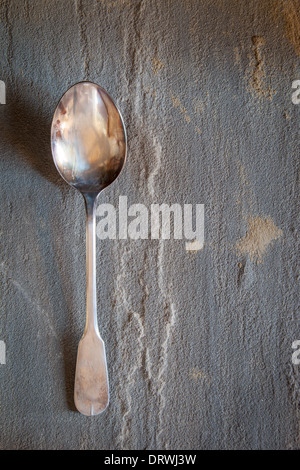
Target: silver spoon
{"x": 88, "y": 142}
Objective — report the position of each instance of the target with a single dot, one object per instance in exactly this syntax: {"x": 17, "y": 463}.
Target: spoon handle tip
{"x": 91, "y": 393}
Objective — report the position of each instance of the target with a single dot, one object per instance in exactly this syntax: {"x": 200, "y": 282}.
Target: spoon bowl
{"x": 88, "y": 142}
{"x": 88, "y": 138}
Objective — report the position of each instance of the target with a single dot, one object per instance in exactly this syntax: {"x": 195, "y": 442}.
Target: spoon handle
{"x": 91, "y": 393}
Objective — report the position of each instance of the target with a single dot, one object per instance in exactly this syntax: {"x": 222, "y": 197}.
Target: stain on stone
{"x": 199, "y": 105}
{"x": 291, "y": 13}
{"x": 237, "y": 56}
{"x": 261, "y": 233}
{"x": 177, "y": 104}
{"x": 150, "y": 91}
{"x": 200, "y": 375}
{"x": 292, "y": 19}
{"x": 257, "y": 84}
{"x": 26, "y": 7}
{"x": 157, "y": 65}
{"x": 240, "y": 273}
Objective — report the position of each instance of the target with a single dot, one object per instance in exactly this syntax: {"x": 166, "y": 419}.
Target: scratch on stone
{"x": 146, "y": 353}
{"x": 123, "y": 304}
{"x": 162, "y": 369}
{"x": 148, "y": 364}
{"x": 293, "y": 377}
{"x": 246, "y": 194}
{"x": 261, "y": 233}
{"x": 135, "y": 321}
{"x": 27, "y": 297}
{"x": 157, "y": 164}
{"x": 126, "y": 421}
{"x": 170, "y": 320}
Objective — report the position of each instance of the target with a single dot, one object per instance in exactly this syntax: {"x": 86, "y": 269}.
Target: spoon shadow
{"x": 25, "y": 124}
{"x": 69, "y": 354}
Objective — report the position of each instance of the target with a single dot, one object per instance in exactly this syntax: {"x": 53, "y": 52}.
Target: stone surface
{"x": 199, "y": 342}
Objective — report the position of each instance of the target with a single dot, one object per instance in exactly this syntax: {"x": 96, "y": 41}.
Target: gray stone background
{"x": 199, "y": 344}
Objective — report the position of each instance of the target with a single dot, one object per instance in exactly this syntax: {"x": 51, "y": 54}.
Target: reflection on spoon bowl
{"x": 88, "y": 138}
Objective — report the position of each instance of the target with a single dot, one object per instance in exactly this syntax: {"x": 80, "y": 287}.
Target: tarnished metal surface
{"x": 88, "y": 143}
